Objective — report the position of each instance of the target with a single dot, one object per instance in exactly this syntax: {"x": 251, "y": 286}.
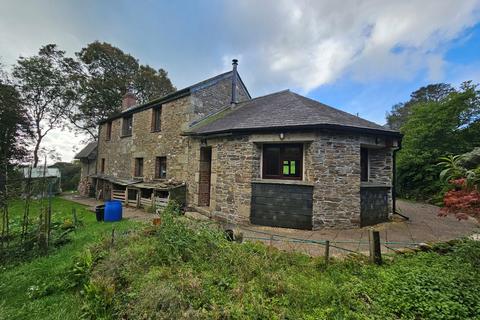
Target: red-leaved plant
{"x": 463, "y": 201}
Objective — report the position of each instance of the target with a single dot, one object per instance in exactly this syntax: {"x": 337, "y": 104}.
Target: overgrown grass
{"x": 43, "y": 287}
{"x": 188, "y": 270}
{"x": 185, "y": 271}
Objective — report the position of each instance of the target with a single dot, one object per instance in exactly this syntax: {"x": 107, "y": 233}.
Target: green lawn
{"x": 47, "y": 278}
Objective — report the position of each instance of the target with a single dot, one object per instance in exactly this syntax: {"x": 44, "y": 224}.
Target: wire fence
{"x": 346, "y": 246}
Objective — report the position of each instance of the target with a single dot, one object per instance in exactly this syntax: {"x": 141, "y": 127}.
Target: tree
{"x": 70, "y": 174}
{"x": 434, "y": 129}
{"x": 400, "y": 112}
{"x": 47, "y": 90}
{"x": 106, "y": 73}
{"x": 13, "y": 138}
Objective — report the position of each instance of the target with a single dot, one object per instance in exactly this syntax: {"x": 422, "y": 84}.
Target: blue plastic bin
{"x": 113, "y": 211}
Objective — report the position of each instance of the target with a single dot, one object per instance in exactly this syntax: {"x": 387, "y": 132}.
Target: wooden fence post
{"x": 126, "y": 196}
{"x": 327, "y": 251}
{"x": 375, "y": 249}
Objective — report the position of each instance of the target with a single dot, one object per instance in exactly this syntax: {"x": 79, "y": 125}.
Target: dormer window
{"x": 127, "y": 125}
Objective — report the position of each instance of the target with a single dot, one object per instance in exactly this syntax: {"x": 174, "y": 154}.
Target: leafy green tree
{"x": 105, "y": 75}
{"x": 400, "y": 112}
{"x": 434, "y": 129}
{"x": 14, "y": 135}
{"x": 70, "y": 174}
{"x": 46, "y": 89}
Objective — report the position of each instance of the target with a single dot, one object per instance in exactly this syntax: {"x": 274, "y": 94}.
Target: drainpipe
{"x": 394, "y": 181}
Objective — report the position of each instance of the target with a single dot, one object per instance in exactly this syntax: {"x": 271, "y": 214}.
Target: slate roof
{"x": 177, "y": 94}
{"x": 89, "y": 151}
{"x": 282, "y": 110}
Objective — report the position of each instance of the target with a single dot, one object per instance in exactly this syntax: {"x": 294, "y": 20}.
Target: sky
{"x": 359, "y": 56}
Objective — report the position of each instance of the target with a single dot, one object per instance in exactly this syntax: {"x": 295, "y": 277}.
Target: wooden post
{"x": 126, "y": 196}
{"x": 138, "y": 198}
{"x": 327, "y": 251}
{"x": 271, "y": 240}
{"x": 153, "y": 201}
{"x": 74, "y": 214}
{"x": 113, "y": 236}
{"x": 375, "y": 250}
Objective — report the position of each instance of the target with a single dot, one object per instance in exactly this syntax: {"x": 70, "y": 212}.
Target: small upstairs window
{"x": 364, "y": 165}
{"x": 161, "y": 168}
{"x": 109, "y": 131}
{"x": 282, "y": 161}
{"x": 127, "y": 125}
{"x": 102, "y": 166}
{"x": 157, "y": 119}
{"x": 138, "y": 167}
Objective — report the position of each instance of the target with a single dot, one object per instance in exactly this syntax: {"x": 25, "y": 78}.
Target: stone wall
{"x": 331, "y": 163}
{"x": 87, "y": 167}
{"x": 211, "y": 99}
{"x": 120, "y": 152}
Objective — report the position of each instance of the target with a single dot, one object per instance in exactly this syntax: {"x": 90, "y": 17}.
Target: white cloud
{"x": 306, "y": 44}
{"x": 298, "y": 44}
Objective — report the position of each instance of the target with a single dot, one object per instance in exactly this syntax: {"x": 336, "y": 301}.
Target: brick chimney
{"x": 128, "y": 99}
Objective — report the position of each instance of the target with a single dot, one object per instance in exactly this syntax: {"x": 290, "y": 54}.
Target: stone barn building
{"x": 88, "y": 161}
{"x": 278, "y": 160}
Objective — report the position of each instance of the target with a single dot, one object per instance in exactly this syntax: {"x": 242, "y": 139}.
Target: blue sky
{"x": 359, "y": 56}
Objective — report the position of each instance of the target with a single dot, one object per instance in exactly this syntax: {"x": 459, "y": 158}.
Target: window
{"x": 127, "y": 126}
{"x": 282, "y": 161}
{"x": 109, "y": 131}
{"x": 102, "y": 166}
{"x": 138, "y": 167}
{"x": 161, "y": 168}
{"x": 364, "y": 167}
{"x": 157, "y": 119}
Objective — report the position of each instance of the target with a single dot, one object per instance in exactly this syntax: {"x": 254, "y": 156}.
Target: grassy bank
{"x": 41, "y": 287}
{"x": 180, "y": 271}
{"x": 187, "y": 270}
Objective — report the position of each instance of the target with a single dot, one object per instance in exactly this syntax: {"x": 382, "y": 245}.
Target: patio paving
{"x": 424, "y": 226}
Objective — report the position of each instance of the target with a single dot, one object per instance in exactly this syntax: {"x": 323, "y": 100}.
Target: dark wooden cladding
{"x": 282, "y": 205}
{"x": 373, "y": 205}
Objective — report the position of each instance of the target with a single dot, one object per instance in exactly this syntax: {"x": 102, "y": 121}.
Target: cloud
{"x": 297, "y": 44}
{"x": 306, "y": 44}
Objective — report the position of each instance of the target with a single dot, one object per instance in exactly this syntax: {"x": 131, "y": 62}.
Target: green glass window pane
{"x": 292, "y": 167}
{"x": 286, "y": 168}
